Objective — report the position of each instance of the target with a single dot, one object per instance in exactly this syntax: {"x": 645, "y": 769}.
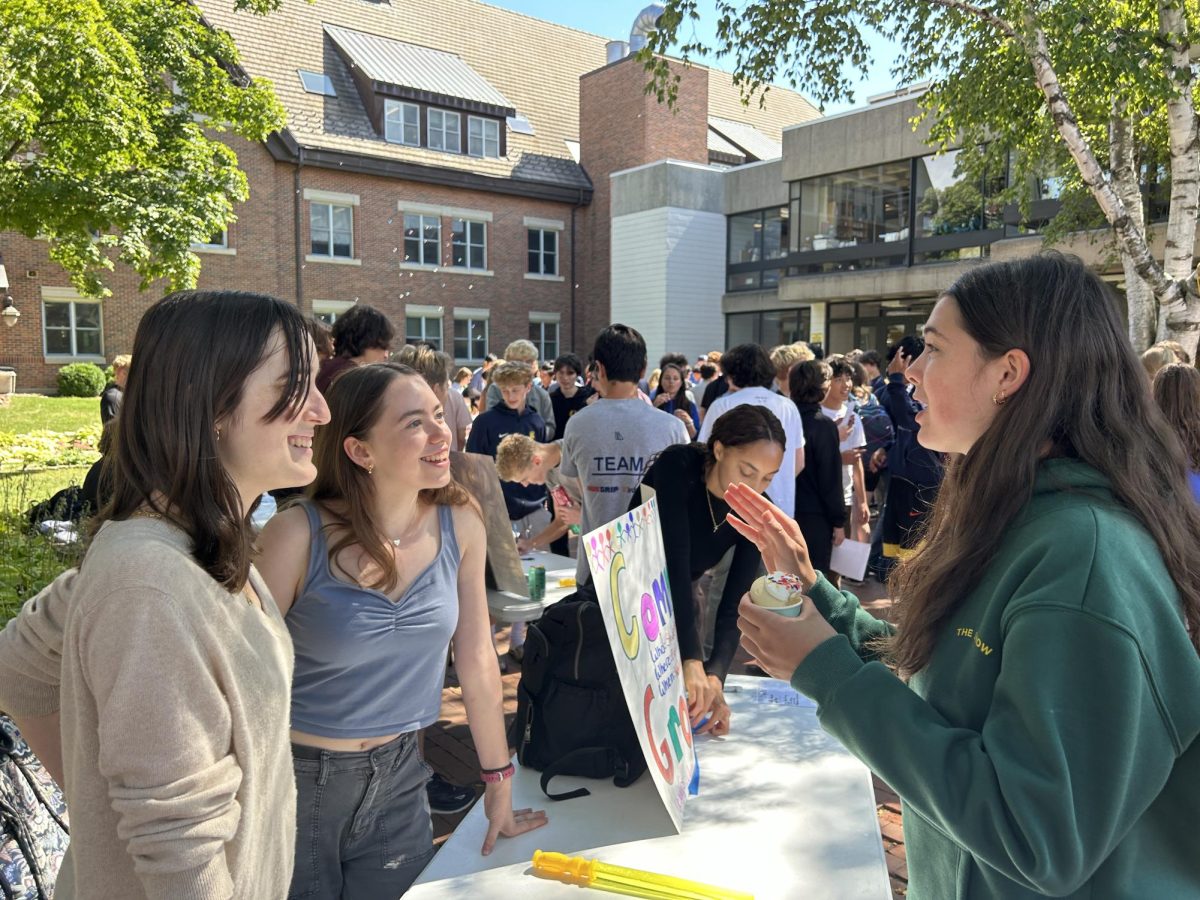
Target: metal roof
{"x": 390, "y": 61}
{"x": 747, "y": 137}
{"x": 718, "y": 144}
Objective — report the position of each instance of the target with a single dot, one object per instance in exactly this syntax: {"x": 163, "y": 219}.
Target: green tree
{"x": 108, "y": 116}
{"x": 1102, "y": 91}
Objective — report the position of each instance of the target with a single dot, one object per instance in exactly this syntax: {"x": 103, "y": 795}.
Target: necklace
{"x": 708, "y": 496}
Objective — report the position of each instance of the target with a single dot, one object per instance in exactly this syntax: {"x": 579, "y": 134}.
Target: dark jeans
{"x": 362, "y": 821}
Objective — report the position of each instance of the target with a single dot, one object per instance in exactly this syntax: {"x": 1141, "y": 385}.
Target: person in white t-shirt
{"x": 838, "y": 406}
{"x": 751, "y": 375}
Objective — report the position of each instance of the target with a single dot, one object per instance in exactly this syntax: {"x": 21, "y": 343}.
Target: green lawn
{"x": 33, "y": 412}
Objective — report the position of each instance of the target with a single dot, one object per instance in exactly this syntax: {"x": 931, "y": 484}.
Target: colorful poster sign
{"x": 629, "y": 569}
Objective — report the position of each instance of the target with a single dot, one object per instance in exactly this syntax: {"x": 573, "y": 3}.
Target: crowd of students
{"x": 239, "y": 714}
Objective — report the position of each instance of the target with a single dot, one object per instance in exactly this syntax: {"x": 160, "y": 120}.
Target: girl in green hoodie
{"x": 1037, "y": 704}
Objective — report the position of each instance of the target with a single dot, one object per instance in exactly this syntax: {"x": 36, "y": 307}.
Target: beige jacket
{"x": 174, "y": 697}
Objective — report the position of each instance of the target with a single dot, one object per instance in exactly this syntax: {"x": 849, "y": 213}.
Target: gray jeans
{"x": 362, "y": 821}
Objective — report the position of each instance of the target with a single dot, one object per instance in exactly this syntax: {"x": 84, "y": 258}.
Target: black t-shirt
{"x": 687, "y": 512}
{"x": 564, "y": 407}
{"x": 719, "y": 387}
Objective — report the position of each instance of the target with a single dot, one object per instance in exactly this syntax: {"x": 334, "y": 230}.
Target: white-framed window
{"x": 543, "y": 251}
{"x": 402, "y": 123}
{"x": 426, "y": 328}
{"x": 470, "y": 335}
{"x": 218, "y": 243}
{"x": 332, "y": 230}
{"x": 445, "y": 130}
{"x": 71, "y": 326}
{"x": 468, "y": 244}
{"x": 327, "y": 311}
{"x": 422, "y": 239}
{"x": 543, "y": 332}
{"x": 483, "y": 137}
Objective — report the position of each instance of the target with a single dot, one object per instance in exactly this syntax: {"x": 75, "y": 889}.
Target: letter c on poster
{"x": 631, "y": 639}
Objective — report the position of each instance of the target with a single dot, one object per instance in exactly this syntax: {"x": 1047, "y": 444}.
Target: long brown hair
{"x": 1087, "y": 398}
{"x": 192, "y": 355}
{"x": 343, "y": 488}
{"x": 1177, "y": 393}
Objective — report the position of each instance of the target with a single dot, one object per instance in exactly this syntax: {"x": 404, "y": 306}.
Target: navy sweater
{"x": 486, "y": 432}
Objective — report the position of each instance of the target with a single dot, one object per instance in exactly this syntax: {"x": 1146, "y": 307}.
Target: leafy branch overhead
{"x": 108, "y": 116}
{"x": 1099, "y": 93}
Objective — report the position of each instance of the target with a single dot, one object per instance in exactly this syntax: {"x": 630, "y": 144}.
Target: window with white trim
{"x": 422, "y": 239}
{"x": 543, "y": 251}
{"x": 332, "y": 230}
{"x": 402, "y": 123}
{"x": 423, "y": 328}
{"x": 470, "y": 339}
{"x": 219, "y": 241}
{"x": 72, "y": 328}
{"x": 544, "y": 335}
{"x": 328, "y": 311}
{"x": 445, "y": 131}
{"x": 483, "y": 137}
{"x": 468, "y": 244}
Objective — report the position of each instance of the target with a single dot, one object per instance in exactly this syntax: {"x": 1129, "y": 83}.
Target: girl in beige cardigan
{"x": 154, "y": 681}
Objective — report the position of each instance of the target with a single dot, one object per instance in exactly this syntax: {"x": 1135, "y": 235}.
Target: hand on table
{"x": 777, "y": 643}
{"x": 773, "y": 531}
{"x": 524, "y": 545}
{"x": 503, "y": 820}
{"x": 699, "y": 690}
{"x": 719, "y": 714}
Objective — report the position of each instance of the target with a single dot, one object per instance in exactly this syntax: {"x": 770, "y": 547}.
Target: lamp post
{"x": 10, "y": 313}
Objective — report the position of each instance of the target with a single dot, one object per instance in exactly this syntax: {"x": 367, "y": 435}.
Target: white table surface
{"x": 509, "y": 607}
{"x": 783, "y": 811}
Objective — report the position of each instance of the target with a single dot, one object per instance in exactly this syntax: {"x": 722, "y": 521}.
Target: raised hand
{"x": 773, "y": 531}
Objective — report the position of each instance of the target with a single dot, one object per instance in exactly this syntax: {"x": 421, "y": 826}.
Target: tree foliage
{"x": 1099, "y": 92}
{"x": 108, "y": 116}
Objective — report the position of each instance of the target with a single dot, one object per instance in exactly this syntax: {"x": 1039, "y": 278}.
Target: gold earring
{"x": 999, "y": 398}
{"x": 218, "y": 431}
{"x": 371, "y": 469}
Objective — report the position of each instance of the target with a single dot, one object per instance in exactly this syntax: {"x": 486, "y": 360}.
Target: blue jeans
{"x": 362, "y": 821}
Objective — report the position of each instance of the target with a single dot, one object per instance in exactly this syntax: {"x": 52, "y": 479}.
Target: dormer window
{"x": 445, "y": 129}
{"x": 402, "y": 123}
{"x": 483, "y": 137}
{"x": 317, "y": 83}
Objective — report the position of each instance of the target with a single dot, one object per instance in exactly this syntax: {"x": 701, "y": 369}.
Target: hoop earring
{"x": 999, "y": 399}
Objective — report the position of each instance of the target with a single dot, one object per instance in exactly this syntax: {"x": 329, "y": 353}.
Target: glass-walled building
{"x": 864, "y": 227}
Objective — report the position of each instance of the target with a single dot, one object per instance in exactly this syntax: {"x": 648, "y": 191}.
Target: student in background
{"x": 525, "y": 352}
{"x": 361, "y": 335}
{"x": 110, "y": 398}
{"x": 1177, "y": 392}
{"x": 567, "y": 395}
{"x": 522, "y": 459}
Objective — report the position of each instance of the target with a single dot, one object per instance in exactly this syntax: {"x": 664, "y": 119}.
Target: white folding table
{"x": 507, "y": 607}
{"x": 783, "y": 811}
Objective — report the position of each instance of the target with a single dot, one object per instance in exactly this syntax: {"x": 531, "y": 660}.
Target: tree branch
{"x": 980, "y": 13}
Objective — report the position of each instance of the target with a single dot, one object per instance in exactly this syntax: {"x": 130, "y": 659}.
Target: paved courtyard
{"x": 449, "y": 750}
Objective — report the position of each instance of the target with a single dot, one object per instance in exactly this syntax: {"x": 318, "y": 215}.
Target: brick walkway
{"x": 449, "y": 750}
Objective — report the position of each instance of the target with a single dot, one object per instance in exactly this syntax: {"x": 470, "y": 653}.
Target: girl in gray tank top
{"x": 377, "y": 572}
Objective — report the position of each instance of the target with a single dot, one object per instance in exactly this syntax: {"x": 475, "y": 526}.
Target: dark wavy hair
{"x": 343, "y": 488}
{"x": 1086, "y": 398}
{"x": 362, "y": 328}
{"x": 748, "y": 365}
{"x": 192, "y": 354}
{"x": 806, "y": 381}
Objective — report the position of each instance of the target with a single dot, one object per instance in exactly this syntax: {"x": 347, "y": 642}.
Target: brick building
{"x": 447, "y": 162}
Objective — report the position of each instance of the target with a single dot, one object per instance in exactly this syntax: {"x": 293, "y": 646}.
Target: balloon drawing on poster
{"x": 629, "y": 569}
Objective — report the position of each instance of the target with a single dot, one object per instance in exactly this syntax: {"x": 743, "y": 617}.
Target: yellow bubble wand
{"x": 630, "y": 882}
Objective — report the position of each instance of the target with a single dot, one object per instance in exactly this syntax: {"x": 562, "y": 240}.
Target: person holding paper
{"x": 820, "y": 510}
{"x": 1035, "y": 706}
{"x": 747, "y": 444}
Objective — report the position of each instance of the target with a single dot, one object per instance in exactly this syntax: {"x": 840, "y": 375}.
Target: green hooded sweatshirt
{"x": 1049, "y": 747}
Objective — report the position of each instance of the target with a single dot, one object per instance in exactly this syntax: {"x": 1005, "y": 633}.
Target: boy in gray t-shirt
{"x": 609, "y": 445}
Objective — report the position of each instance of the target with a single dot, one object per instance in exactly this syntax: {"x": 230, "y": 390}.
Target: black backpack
{"x": 572, "y": 718}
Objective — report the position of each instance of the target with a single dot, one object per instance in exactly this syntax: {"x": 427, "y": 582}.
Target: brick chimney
{"x": 620, "y": 127}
